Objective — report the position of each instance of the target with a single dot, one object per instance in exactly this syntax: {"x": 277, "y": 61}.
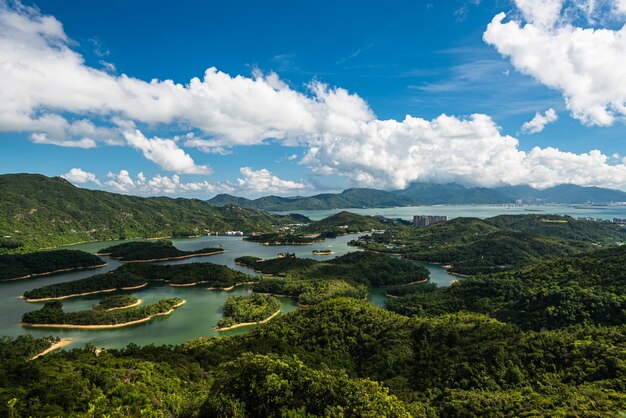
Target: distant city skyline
{"x": 194, "y": 99}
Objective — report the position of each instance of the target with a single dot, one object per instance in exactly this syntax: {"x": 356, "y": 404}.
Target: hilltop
{"x": 38, "y": 211}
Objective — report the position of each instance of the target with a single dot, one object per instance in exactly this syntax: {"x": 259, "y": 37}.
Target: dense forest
{"x": 473, "y": 246}
{"x": 132, "y": 275}
{"x": 40, "y": 212}
{"x": 308, "y": 292}
{"x": 247, "y": 309}
{"x": 587, "y": 288}
{"x": 152, "y": 251}
{"x": 341, "y": 357}
{"x": 14, "y": 266}
{"x": 282, "y": 239}
{"x": 52, "y": 313}
{"x": 116, "y": 302}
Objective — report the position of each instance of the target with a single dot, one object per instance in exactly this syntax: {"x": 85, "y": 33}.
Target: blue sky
{"x": 418, "y": 58}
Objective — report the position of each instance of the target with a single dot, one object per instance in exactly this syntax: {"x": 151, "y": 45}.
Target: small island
{"x": 148, "y": 251}
{"x": 136, "y": 276}
{"x": 25, "y": 266}
{"x": 323, "y": 252}
{"x": 311, "y": 292}
{"x": 241, "y": 311}
{"x": 51, "y": 315}
{"x": 111, "y": 303}
{"x": 284, "y": 239}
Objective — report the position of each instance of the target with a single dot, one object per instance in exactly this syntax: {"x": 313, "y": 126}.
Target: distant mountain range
{"x": 426, "y": 194}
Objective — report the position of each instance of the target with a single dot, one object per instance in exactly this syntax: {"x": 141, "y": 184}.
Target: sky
{"x": 193, "y": 99}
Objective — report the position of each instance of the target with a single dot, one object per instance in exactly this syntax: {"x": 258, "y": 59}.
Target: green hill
{"x": 452, "y": 194}
{"x": 472, "y": 245}
{"x": 348, "y": 222}
{"x": 38, "y": 211}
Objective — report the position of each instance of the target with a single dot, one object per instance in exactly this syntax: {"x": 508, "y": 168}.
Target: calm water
{"x": 477, "y": 211}
{"x": 194, "y": 319}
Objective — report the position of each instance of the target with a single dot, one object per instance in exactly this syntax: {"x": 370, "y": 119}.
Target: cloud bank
{"x": 48, "y": 91}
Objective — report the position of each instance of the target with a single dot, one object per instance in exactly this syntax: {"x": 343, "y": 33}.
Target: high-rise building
{"x": 425, "y": 220}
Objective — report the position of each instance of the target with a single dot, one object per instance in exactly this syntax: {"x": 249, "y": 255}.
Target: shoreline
{"x": 162, "y": 259}
{"x": 47, "y": 273}
{"x": 245, "y": 324}
{"x": 139, "y": 302}
{"x": 60, "y": 344}
{"x": 226, "y": 289}
{"x": 83, "y": 294}
{"x": 96, "y": 327}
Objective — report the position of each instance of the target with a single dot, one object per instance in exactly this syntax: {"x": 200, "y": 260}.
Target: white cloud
{"x": 585, "y": 64}
{"x": 262, "y": 181}
{"x": 292, "y": 157}
{"x": 165, "y": 152}
{"x": 540, "y": 121}
{"x": 48, "y": 91}
{"x": 123, "y": 182}
{"x": 79, "y": 176}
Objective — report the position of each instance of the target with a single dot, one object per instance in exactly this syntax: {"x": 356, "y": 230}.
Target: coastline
{"x": 245, "y": 324}
{"x": 180, "y": 257}
{"x": 83, "y": 294}
{"x": 231, "y": 287}
{"x": 139, "y": 302}
{"x": 123, "y": 324}
{"x": 62, "y": 343}
{"x": 47, "y": 273}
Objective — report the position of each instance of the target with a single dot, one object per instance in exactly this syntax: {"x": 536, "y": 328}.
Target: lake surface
{"x": 194, "y": 319}
{"x": 477, "y": 211}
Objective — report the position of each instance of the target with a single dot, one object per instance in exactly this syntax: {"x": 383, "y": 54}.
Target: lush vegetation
{"x": 14, "y": 266}
{"x": 359, "y": 267}
{"x": 339, "y": 358}
{"x": 40, "y": 212}
{"x": 132, "y": 275}
{"x": 23, "y": 348}
{"x": 309, "y": 292}
{"x": 473, "y": 246}
{"x": 246, "y": 309}
{"x": 152, "y": 250}
{"x": 587, "y": 288}
{"x": 116, "y": 302}
{"x": 282, "y": 239}
{"x": 347, "y": 223}
{"x": 52, "y": 313}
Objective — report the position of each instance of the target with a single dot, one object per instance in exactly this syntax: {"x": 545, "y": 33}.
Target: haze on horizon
{"x": 196, "y": 100}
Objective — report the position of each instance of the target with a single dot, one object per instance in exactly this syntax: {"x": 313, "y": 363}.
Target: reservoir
{"x": 194, "y": 319}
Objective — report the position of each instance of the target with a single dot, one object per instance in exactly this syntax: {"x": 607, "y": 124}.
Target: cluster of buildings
{"x": 425, "y": 220}
{"x": 619, "y": 221}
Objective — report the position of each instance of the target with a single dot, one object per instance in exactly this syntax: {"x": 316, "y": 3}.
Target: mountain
{"x": 564, "y": 194}
{"x": 38, "y": 211}
{"x": 350, "y": 198}
{"x": 451, "y": 194}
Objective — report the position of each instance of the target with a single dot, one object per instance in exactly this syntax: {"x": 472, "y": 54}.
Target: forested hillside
{"x": 37, "y": 212}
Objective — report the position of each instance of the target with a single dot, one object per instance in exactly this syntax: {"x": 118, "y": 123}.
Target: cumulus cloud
{"x": 165, "y": 152}
{"x": 540, "y": 121}
{"x": 123, "y": 182}
{"x": 585, "y": 64}
{"x": 79, "y": 176}
{"x": 48, "y": 91}
{"x": 262, "y": 181}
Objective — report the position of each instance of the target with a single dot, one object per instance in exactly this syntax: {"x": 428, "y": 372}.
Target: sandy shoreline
{"x": 180, "y": 257}
{"x": 95, "y": 292}
{"x": 47, "y": 273}
{"x": 231, "y": 287}
{"x": 139, "y": 302}
{"x": 245, "y": 324}
{"x": 123, "y": 324}
{"x": 62, "y": 343}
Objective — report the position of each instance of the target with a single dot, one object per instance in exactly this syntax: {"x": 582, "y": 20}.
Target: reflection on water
{"x": 194, "y": 319}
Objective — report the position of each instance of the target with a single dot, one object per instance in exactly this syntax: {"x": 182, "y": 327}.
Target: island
{"x": 136, "y": 276}
{"x": 111, "y": 303}
{"x": 470, "y": 246}
{"x": 323, "y": 252}
{"x": 284, "y": 239}
{"x": 149, "y": 251}
{"x": 51, "y": 315}
{"x": 241, "y": 311}
{"x": 310, "y": 292}
{"x": 25, "y": 266}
